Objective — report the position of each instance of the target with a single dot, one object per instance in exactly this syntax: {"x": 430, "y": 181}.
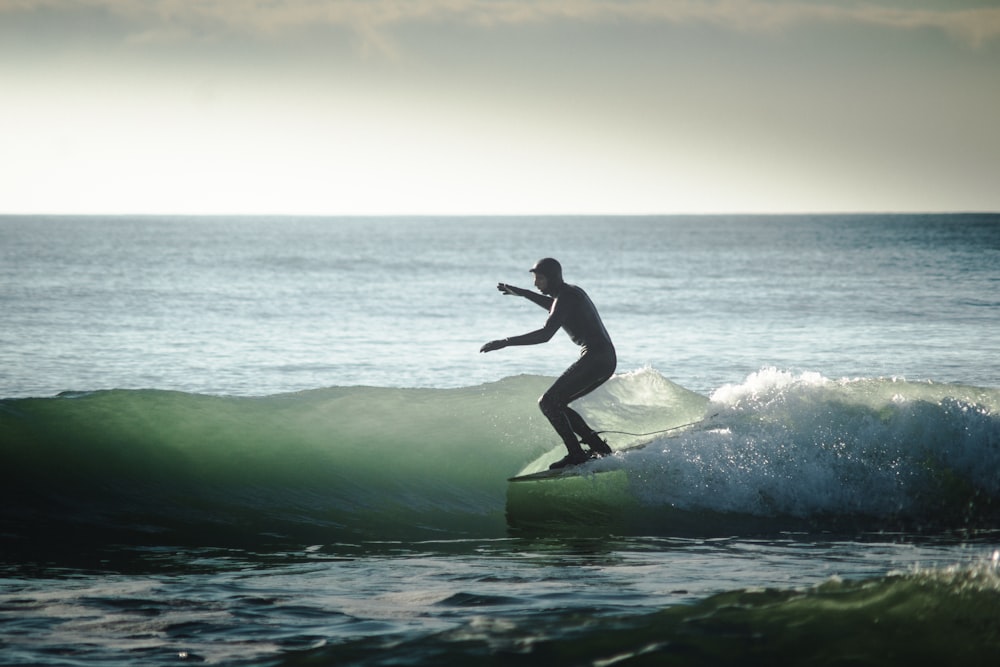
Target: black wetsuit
{"x": 572, "y": 310}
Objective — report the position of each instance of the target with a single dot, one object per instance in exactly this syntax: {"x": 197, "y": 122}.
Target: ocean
{"x": 273, "y": 441}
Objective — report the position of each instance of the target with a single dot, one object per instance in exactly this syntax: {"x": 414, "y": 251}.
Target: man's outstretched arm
{"x": 543, "y": 335}
{"x": 540, "y": 299}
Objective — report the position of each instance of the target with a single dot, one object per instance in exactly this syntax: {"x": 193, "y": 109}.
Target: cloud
{"x": 179, "y": 19}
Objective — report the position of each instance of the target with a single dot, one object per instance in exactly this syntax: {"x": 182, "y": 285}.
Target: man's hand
{"x": 506, "y": 289}
{"x": 493, "y": 345}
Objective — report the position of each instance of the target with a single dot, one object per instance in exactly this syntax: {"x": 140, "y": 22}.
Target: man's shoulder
{"x": 572, "y": 290}
{"x": 576, "y": 293}
{"x": 572, "y": 297}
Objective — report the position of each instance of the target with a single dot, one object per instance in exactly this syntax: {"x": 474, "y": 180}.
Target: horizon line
{"x": 171, "y": 214}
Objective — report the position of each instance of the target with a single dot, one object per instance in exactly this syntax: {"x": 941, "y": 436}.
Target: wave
{"x": 775, "y": 452}
{"x": 783, "y": 451}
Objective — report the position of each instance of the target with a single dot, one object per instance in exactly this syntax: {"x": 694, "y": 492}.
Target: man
{"x": 571, "y": 309}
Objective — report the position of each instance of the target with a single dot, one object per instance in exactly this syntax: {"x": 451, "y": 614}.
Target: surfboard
{"x": 585, "y": 468}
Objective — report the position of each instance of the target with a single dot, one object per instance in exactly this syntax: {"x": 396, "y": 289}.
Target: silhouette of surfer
{"x": 572, "y": 310}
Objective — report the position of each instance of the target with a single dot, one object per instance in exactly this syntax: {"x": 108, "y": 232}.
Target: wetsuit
{"x": 572, "y": 310}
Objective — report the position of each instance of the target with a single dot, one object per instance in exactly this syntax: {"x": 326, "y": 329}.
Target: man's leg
{"x": 553, "y": 406}
{"x": 580, "y": 379}
{"x": 588, "y": 436}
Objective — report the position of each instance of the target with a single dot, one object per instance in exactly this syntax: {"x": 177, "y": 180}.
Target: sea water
{"x": 273, "y": 441}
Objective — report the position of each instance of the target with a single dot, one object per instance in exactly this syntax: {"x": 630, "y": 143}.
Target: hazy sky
{"x": 498, "y": 106}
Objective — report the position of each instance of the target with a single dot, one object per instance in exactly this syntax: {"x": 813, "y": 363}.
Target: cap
{"x": 549, "y": 268}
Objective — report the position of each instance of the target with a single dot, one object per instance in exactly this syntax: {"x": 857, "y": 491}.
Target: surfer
{"x": 572, "y": 310}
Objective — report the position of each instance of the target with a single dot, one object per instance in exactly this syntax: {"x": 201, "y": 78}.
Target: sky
{"x": 498, "y": 107}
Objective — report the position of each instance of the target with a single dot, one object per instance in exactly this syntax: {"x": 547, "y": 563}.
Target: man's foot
{"x": 598, "y": 446}
{"x": 570, "y": 460}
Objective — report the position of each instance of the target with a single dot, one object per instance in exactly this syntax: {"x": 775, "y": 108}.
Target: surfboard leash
{"x": 666, "y": 430}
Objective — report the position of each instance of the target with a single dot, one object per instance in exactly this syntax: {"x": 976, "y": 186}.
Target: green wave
{"x": 368, "y": 463}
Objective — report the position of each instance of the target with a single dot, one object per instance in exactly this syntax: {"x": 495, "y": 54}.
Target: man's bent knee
{"x": 551, "y": 405}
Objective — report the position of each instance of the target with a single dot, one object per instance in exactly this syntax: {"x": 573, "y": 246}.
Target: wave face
{"x": 366, "y": 463}
{"x": 329, "y": 464}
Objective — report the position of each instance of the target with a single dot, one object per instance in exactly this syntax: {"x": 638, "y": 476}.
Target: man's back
{"x": 576, "y": 314}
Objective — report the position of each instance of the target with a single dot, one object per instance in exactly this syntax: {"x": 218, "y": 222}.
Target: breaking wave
{"x": 775, "y": 452}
